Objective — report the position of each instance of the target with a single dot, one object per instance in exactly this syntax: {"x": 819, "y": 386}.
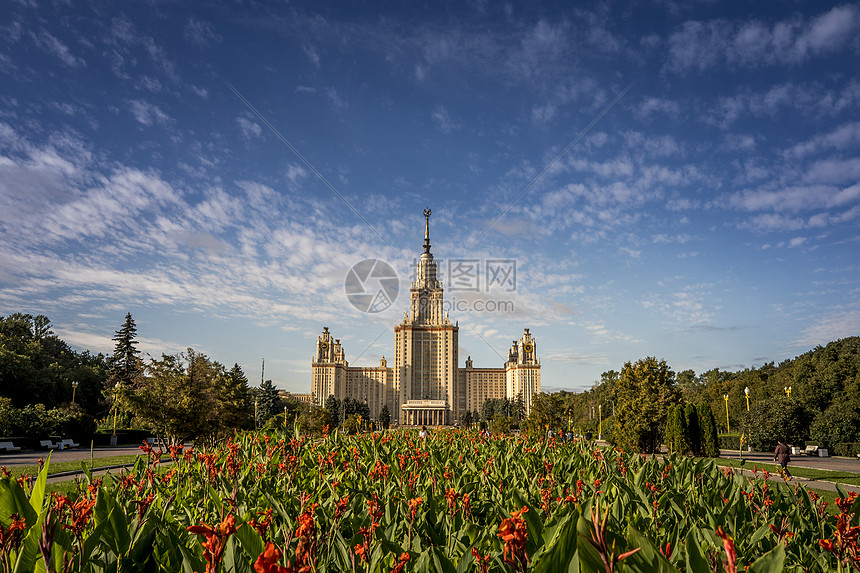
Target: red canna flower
{"x": 483, "y": 561}
{"x": 262, "y": 526}
{"x": 216, "y": 541}
{"x": 11, "y": 537}
{"x": 413, "y": 505}
{"x": 401, "y": 563}
{"x": 729, "y": 547}
{"x": 267, "y": 562}
{"x": 514, "y": 534}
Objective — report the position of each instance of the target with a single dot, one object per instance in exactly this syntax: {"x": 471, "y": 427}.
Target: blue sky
{"x": 151, "y": 162}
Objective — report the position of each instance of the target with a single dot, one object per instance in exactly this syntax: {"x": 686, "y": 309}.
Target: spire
{"x": 427, "y": 213}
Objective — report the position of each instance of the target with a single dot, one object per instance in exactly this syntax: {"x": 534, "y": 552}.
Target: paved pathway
{"x": 833, "y": 464}
{"x": 31, "y": 457}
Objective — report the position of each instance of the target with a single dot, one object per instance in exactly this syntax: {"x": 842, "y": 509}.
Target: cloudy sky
{"x": 670, "y": 179}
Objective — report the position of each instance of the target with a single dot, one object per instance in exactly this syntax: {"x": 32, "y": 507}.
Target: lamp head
{"x": 747, "y": 390}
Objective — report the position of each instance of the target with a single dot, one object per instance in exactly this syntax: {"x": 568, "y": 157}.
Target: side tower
{"x": 522, "y": 371}
{"x": 328, "y": 369}
{"x": 426, "y": 345}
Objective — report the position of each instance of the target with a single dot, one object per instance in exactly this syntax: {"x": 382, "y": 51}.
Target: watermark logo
{"x": 371, "y": 285}
{"x": 475, "y": 275}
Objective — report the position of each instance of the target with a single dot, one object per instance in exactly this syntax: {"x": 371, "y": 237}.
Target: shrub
{"x": 730, "y": 441}
{"x": 838, "y": 423}
{"x": 847, "y": 449}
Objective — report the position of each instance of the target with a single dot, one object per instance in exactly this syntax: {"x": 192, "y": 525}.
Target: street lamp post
{"x": 255, "y": 412}
{"x": 116, "y": 388}
{"x": 726, "y": 398}
{"x": 747, "y": 394}
{"x": 74, "y": 387}
{"x": 285, "y": 419}
{"x": 600, "y": 422}
{"x": 787, "y": 390}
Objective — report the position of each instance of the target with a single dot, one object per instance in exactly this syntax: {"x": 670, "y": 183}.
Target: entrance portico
{"x": 425, "y": 413}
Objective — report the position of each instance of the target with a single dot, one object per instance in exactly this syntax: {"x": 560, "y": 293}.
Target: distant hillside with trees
{"x": 812, "y": 398}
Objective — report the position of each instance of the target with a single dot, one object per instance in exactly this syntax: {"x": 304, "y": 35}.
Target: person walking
{"x": 782, "y": 455}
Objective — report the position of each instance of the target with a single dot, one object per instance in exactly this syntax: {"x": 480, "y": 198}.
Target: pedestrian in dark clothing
{"x": 782, "y": 455}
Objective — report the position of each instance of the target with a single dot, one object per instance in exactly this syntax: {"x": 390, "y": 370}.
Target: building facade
{"x": 425, "y": 386}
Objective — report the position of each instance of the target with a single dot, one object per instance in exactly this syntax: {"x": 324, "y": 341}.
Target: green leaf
{"x": 14, "y": 500}
{"x": 695, "y": 559}
{"x": 37, "y": 497}
{"x": 771, "y": 562}
{"x": 250, "y": 539}
{"x": 561, "y": 549}
{"x": 648, "y": 559}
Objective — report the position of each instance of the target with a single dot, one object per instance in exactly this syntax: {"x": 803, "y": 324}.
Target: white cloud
{"x": 843, "y": 137}
{"x": 443, "y": 120}
{"x": 312, "y": 54}
{"x": 52, "y": 45}
{"x": 200, "y": 33}
{"x": 698, "y": 46}
{"x": 249, "y": 129}
{"x": 836, "y": 323}
{"x": 147, "y": 114}
{"x": 337, "y": 101}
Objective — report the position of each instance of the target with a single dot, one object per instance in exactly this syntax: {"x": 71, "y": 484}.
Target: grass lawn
{"x": 72, "y": 466}
{"x": 819, "y": 475}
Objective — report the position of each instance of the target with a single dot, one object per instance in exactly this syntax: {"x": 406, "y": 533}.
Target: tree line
{"x": 47, "y": 388}
{"x": 812, "y": 398}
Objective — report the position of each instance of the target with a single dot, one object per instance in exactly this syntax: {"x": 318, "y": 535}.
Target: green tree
{"x": 333, "y": 406}
{"x": 237, "y": 408}
{"x": 548, "y": 410}
{"x": 646, "y": 390}
{"x": 313, "y": 420}
{"x": 694, "y": 431}
{"x": 839, "y": 423}
{"x": 125, "y": 362}
{"x": 466, "y": 419}
{"x": 268, "y": 402}
{"x": 776, "y": 419}
{"x": 708, "y": 430}
{"x": 488, "y": 409}
{"x": 384, "y": 417}
{"x": 677, "y": 434}
{"x": 179, "y": 397}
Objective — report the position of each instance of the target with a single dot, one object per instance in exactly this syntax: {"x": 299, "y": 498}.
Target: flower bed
{"x": 392, "y": 502}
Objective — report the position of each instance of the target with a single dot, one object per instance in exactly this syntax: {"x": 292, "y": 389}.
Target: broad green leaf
{"x": 771, "y": 562}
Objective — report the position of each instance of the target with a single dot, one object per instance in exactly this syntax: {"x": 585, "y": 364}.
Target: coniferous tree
{"x": 333, "y": 406}
{"x": 235, "y": 399}
{"x": 488, "y": 410}
{"x": 384, "y": 417}
{"x": 268, "y": 402}
{"x": 125, "y": 362}
{"x": 708, "y": 431}
{"x": 694, "y": 432}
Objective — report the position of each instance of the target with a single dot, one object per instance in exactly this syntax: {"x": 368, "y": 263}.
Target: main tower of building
{"x": 426, "y": 385}
{"x": 425, "y": 353}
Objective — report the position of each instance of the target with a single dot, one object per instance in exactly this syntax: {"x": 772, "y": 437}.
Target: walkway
{"x": 833, "y": 464}
{"x": 31, "y": 457}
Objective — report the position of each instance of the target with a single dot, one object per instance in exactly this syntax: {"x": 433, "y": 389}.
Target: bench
{"x": 48, "y": 444}
{"x": 9, "y": 447}
{"x": 811, "y": 450}
{"x": 69, "y": 443}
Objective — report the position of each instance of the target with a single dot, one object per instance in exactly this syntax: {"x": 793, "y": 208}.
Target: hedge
{"x": 730, "y": 441}
{"x": 847, "y": 449}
